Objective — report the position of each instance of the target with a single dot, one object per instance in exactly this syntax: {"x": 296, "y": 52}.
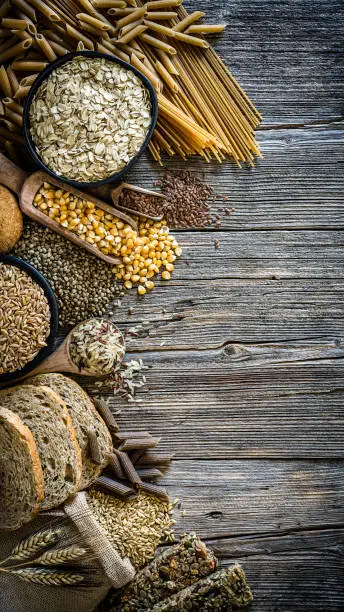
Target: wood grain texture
{"x": 256, "y": 497}
{"x": 298, "y": 183}
{"x": 290, "y": 573}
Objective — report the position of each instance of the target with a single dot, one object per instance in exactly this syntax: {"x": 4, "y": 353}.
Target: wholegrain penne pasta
{"x": 12, "y": 79}
{"x": 11, "y": 136}
{"x": 13, "y": 24}
{"x": 139, "y": 443}
{"x": 166, "y": 76}
{"x": 108, "y": 45}
{"x": 115, "y": 466}
{"x": 154, "y": 490}
{"x": 45, "y": 10}
{"x": 121, "y": 436}
{"x": 74, "y": 33}
{"x": 161, "y": 15}
{"x": 25, "y": 7}
{"x": 132, "y": 3}
{"x": 184, "y": 23}
{"x": 21, "y": 92}
{"x": 86, "y": 27}
{"x": 106, "y": 414}
{"x": 128, "y": 467}
{"x": 80, "y": 46}
{"x": 135, "y": 61}
{"x": 114, "y": 487}
{"x": 57, "y": 48}
{"x": 5, "y": 84}
{"x": 13, "y": 105}
{"x": 161, "y": 4}
{"x": 129, "y": 27}
{"x": 206, "y": 29}
{"x": 14, "y": 51}
{"x": 168, "y": 63}
{"x": 108, "y": 4}
{"x": 133, "y": 33}
{"x": 8, "y": 43}
{"x": 191, "y": 40}
{"x": 120, "y": 12}
{"x": 117, "y": 53}
{"x": 52, "y": 35}
{"x": 159, "y": 44}
{"x": 129, "y": 49}
{"x": 45, "y": 47}
{"x": 29, "y": 65}
{"x": 28, "y": 80}
{"x": 13, "y": 116}
{"x": 11, "y": 152}
{"x": 93, "y": 21}
{"x": 104, "y": 19}
{"x": 23, "y": 35}
{"x": 154, "y": 459}
{"x": 149, "y": 474}
{"x": 88, "y": 6}
{"x": 133, "y": 16}
{"x": 5, "y": 8}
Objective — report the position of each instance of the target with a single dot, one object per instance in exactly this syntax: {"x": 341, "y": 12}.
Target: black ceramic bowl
{"x": 54, "y": 318}
{"x": 44, "y": 75}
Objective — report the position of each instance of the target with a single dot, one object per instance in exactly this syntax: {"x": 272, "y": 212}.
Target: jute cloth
{"x": 78, "y": 523}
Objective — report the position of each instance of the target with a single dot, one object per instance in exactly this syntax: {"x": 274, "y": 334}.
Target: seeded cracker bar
{"x": 174, "y": 569}
{"x": 223, "y": 591}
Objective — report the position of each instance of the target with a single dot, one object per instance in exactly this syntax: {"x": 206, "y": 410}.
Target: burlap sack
{"x": 79, "y": 523}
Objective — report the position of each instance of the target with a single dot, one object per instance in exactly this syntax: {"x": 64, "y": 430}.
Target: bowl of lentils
{"x": 88, "y": 118}
{"x": 28, "y": 318}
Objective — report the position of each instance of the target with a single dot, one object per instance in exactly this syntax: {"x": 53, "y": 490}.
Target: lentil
{"x": 83, "y": 284}
{"x": 24, "y": 318}
{"x": 135, "y": 527}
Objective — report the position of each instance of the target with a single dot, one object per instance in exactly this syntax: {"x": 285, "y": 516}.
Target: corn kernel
{"x": 165, "y": 275}
{"x": 149, "y": 285}
{"x": 169, "y": 267}
{"x": 141, "y": 290}
{"x": 128, "y": 284}
{"x": 135, "y": 278}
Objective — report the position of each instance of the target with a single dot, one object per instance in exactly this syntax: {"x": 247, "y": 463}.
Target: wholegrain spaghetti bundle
{"x": 202, "y": 109}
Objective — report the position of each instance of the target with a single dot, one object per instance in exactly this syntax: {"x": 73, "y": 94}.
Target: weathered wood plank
{"x": 285, "y": 54}
{"x": 260, "y": 254}
{"x": 298, "y": 184}
{"x": 231, "y": 498}
{"x": 203, "y": 314}
{"x": 207, "y": 410}
{"x": 291, "y": 573}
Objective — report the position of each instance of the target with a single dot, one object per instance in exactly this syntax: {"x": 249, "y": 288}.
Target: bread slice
{"x": 84, "y": 415}
{"x": 21, "y": 475}
{"x": 46, "y": 415}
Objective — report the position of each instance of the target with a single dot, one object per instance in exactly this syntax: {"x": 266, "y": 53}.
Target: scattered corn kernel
{"x": 143, "y": 253}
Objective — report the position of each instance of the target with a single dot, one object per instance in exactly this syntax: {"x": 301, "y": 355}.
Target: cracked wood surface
{"x": 245, "y": 344}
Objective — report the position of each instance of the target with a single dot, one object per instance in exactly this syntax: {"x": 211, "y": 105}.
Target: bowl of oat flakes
{"x": 88, "y": 118}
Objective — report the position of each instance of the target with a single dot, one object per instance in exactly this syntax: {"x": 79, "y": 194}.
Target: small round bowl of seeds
{"x": 88, "y": 118}
{"x": 28, "y": 318}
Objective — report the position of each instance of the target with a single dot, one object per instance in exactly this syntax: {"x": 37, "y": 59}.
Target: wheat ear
{"x": 48, "y": 577}
{"x": 60, "y": 556}
{"x": 27, "y": 548}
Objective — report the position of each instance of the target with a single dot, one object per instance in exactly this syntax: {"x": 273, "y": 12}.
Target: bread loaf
{"x": 48, "y": 419}
{"x": 84, "y": 416}
{"x": 21, "y": 475}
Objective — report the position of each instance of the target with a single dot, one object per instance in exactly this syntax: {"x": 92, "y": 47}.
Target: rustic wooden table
{"x": 244, "y": 345}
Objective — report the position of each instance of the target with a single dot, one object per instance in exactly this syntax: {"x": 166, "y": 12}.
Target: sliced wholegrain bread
{"x": 84, "y": 416}
{"x": 21, "y": 475}
{"x": 46, "y": 415}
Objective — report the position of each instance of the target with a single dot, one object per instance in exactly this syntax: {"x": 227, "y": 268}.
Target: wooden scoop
{"x": 26, "y": 187}
{"x": 116, "y": 192}
{"x": 60, "y": 360}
